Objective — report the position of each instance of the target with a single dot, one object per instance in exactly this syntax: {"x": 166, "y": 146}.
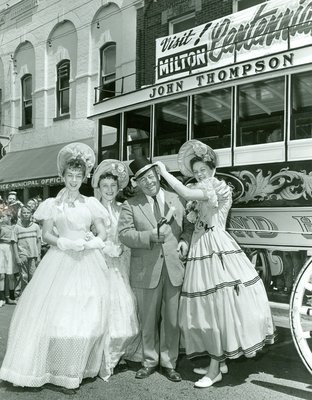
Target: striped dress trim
{"x": 269, "y": 339}
{"x": 235, "y": 284}
{"x": 219, "y": 254}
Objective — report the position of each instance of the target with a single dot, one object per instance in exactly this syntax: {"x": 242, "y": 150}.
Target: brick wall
{"x": 153, "y": 22}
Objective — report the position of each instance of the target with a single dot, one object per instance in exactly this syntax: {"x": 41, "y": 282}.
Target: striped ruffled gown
{"x": 224, "y": 310}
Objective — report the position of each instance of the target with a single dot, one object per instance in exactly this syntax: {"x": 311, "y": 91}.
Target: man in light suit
{"x": 156, "y": 269}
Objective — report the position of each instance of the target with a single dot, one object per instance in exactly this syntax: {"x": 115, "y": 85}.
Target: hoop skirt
{"x": 61, "y": 329}
{"x": 224, "y": 310}
{"x": 124, "y": 334}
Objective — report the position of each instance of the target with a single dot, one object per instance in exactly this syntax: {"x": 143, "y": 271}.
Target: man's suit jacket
{"x": 135, "y": 226}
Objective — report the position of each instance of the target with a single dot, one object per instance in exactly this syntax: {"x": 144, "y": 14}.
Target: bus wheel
{"x": 300, "y": 314}
{"x": 260, "y": 260}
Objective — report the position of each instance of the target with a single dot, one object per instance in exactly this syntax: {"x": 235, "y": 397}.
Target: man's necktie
{"x": 157, "y": 212}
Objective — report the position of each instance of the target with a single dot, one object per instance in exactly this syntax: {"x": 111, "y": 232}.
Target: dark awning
{"x": 32, "y": 167}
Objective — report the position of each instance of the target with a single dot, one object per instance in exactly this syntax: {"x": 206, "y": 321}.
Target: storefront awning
{"x": 32, "y": 167}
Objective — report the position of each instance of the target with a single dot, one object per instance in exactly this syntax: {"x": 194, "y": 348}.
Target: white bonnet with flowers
{"x": 114, "y": 167}
{"x": 75, "y": 151}
{"x": 189, "y": 150}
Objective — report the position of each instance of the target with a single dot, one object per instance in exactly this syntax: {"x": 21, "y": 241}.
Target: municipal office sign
{"x": 268, "y": 28}
{"x": 31, "y": 183}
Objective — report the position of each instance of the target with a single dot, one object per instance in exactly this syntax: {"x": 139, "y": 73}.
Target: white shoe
{"x": 2, "y": 303}
{"x": 251, "y": 355}
{"x": 203, "y": 371}
{"x": 207, "y": 382}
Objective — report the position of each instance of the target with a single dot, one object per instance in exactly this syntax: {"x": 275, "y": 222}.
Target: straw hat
{"x": 116, "y": 168}
{"x": 75, "y": 151}
{"x": 189, "y": 150}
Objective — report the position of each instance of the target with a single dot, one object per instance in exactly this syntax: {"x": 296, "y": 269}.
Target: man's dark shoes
{"x": 171, "y": 374}
{"x": 121, "y": 367}
{"x": 145, "y": 372}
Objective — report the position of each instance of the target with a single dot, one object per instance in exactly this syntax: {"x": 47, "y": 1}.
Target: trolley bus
{"x": 243, "y": 85}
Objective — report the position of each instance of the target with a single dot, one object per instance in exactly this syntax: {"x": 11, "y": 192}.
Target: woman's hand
{"x": 182, "y": 250}
{"x": 160, "y": 167}
{"x": 112, "y": 249}
{"x": 94, "y": 243}
{"x": 89, "y": 236}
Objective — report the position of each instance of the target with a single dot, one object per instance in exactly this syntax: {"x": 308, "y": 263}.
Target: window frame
{"x": 178, "y": 20}
{"x": 27, "y": 103}
{"x": 235, "y": 7}
{"x": 60, "y": 90}
{"x": 107, "y": 79}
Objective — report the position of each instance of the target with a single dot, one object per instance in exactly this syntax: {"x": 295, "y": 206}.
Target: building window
{"x": 108, "y": 71}
{"x": 63, "y": 75}
{"x": 26, "y": 100}
{"x": 239, "y": 5}
{"x": 182, "y": 23}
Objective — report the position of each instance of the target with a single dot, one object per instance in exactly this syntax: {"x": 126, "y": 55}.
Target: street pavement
{"x": 277, "y": 374}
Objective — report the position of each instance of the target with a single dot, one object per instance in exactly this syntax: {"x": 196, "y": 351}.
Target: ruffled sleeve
{"x": 98, "y": 211}
{"x": 45, "y": 210}
{"x": 225, "y": 202}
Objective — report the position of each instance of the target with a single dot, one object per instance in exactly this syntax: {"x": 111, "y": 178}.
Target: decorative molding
{"x": 285, "y": 185}
{"x": 18, "y": 11}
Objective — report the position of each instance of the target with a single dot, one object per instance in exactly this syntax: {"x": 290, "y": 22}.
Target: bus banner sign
{"x": 278, "y": 228}
{"x": 268, "y": 28}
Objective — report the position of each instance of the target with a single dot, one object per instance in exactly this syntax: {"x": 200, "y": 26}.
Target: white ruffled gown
{"x": 224, "y": 310}
{"x": 60, "y": 331}
{"x": 124, "y": 333}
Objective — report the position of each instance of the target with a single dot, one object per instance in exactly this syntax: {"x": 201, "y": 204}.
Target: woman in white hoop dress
{"x": 110, "y": 177}
{"x": 224, "y": 310}
{"x": 60, "y": 330}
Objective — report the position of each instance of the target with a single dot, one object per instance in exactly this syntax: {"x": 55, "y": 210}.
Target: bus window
{"x": 171, "y": 126}
{"x": 301, "y": 106}
{"x": 137, "y": 133}
{"x": 261, "y": 112}
{"x": 212, "y": 118}
{"x": 109, "y": 129}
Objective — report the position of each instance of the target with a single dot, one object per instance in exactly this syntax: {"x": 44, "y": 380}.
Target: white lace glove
{"x": 111, "y": 249}
{"x": 68, "y": 244}
{"x": 94, "y": 243}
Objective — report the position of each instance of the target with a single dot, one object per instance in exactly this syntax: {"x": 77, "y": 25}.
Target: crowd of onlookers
{"x": 20, "y": 246}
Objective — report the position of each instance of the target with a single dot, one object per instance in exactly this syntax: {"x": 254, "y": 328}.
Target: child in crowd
{"x": 27, "y": 245}
{"x": 8, "y": 266}
{"x": 32, "y": 204}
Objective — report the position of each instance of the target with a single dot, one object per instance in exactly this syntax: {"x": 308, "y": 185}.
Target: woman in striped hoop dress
{"x": 224, "y": 310}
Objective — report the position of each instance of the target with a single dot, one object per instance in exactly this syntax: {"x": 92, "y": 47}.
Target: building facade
{"x": 52, "y": 56}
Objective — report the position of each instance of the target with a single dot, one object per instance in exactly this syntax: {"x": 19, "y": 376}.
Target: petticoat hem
{"x": 270, "y": 339}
